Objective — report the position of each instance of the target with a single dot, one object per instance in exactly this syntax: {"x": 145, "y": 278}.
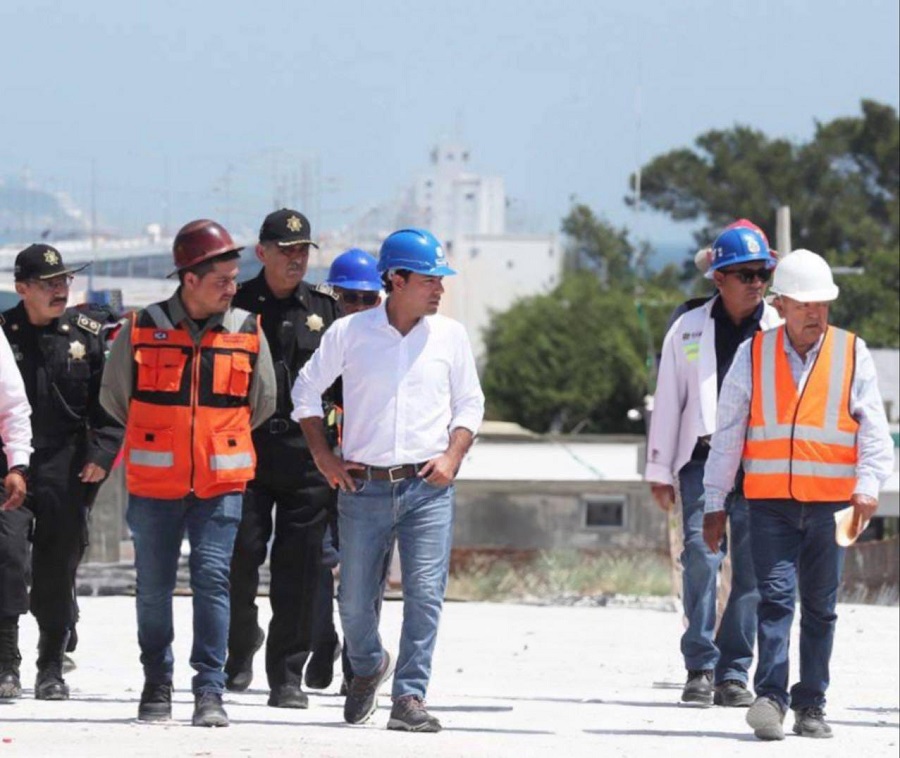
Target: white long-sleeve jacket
{"x": 15, "y": 411}
{"x": 684, "y": 406}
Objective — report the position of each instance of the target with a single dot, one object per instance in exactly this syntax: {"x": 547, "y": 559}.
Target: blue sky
{"x": 169, "y": 98}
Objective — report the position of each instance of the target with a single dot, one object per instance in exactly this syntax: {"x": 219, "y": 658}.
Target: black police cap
{"x": 41, "y": 261}
{"x": 286, "y": 227}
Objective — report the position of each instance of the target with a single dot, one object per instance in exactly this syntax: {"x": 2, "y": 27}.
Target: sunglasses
{"x": 747, "y": 275}
{"x": 353, "y": 298}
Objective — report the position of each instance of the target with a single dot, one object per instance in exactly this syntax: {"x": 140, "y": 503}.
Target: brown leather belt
{"x": 391, "y": 474}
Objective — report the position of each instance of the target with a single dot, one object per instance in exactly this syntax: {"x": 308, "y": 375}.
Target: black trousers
{"x": 55, "y": 518}
{"x": 297, "y": 518}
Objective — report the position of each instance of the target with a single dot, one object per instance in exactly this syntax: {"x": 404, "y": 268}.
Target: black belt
{"x": 392, "y": 474}
{"x": 280, "y": 426}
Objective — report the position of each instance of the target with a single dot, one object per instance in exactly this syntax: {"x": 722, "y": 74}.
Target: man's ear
{"x": 779, "y": 305}
{"x": 260, "y": 253}
{"x": 718, "y": 279}
{"x": 20, "y": 288}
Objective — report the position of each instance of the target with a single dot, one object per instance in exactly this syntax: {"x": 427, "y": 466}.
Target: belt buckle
{"x": 278, "y": 426}
{"x": 391, "y": 471}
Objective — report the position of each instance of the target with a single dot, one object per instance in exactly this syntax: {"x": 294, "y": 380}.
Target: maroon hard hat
{"x": 199, "y": 241}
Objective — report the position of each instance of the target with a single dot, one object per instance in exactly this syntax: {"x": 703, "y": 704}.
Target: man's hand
{"x": 92, "y": 473}
{"x": 664, "y": 495}
{"x": 15, "y": 491}
{"x": 336, "y": 470}
{"x": 714, "y": 530}
{"x": 864, "y": 508}
{"x": 440, "y": 471}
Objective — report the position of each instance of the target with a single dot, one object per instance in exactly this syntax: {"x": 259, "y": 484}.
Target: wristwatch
{"x": 21, "y": 469}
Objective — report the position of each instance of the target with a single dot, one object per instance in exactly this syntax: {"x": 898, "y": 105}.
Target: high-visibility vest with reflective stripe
{"x": 188, "y": 424}
{"x": 801, "y": 446}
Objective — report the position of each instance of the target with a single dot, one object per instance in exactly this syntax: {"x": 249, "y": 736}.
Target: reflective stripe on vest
{"x": 188, "y": 424}
{"x": 801, "y": 447}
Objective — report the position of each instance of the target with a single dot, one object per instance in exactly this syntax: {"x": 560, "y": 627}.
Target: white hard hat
{"x": 806, "y": 277}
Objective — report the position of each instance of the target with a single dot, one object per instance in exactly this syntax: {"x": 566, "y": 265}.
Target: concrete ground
{"x": 509, "y": 680}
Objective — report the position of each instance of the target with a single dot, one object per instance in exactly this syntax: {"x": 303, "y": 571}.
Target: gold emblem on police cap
{"x": 76, "y": 351}
{"x": 294, "y": 224}
{"x": 51, "y": 257}
{"x": 314, "y": 322}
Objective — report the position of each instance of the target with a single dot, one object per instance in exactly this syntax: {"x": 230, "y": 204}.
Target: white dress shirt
{"x": 15, "y": 411}
{"x": 403, "y": 395}
{"x": 874, "y": 444}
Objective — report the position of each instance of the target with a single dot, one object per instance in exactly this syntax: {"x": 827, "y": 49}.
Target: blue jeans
{"x": 730, "y": 652}
{"x": 421, "y": 518}
{"x": 793, "y": 543}
{"x": 158, "y": 527}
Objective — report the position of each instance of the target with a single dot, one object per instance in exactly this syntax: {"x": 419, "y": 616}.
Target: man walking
{"x": 801, "y": 411}
{"x": 697, "y": 353}
{"x": 354, "y": 277}
{"x": 288, "y": 495}
{"x": 60, "y": 352}
{"x": 412, "y": 405}
{"x": 189, "y": 377}
{"x": 15, "y": 521}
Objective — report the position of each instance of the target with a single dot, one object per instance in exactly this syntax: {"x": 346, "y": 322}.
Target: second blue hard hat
{"x": 416, "y": 250}
{"x": 355, "y": 269}
{"x": 739, "y": 245}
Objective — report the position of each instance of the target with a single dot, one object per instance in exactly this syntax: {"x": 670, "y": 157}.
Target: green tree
{"x": 573, "y": 360}
{"x": 596, "y": 246}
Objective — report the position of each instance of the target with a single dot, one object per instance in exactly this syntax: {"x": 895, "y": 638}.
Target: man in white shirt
{"x": 697, "y": 352}
{"x": 15, "y": 521}
{"x": 412, "y": 405}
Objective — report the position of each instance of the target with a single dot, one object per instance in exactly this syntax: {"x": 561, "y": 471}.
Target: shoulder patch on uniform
{"x": 326, "y": 289}
{"x": 88, "y": 324}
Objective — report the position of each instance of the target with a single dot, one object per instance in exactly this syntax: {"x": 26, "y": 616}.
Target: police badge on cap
{"x": 286, "y": 227}
{"x": 42, "y": 262}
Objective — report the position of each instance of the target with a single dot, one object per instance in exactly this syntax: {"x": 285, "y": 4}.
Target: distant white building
{"x": 467, "y": 212}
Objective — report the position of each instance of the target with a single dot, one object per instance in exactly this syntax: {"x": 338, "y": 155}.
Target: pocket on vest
{"x": 151, "y": 448}
{"x": 231, "y": 456}
{"x": 160, "y": 369}
{"x": 231, "y": 374}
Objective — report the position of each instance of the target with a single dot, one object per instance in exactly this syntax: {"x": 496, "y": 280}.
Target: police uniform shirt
{"x": 61, "y": 364}
{"x": 293, "y": 327}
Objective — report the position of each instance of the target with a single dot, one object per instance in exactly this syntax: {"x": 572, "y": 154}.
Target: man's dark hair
{"x": 386, "y": 278}
{"x": 202, "y": 269}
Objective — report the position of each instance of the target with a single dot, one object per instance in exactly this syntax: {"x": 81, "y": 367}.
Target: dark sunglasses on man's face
{"x": 353, "y": 298}
{"x": 747, "y": 275}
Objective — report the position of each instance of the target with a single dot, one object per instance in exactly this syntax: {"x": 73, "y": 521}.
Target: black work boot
{"x": 10, "y": 684}
{"x": 698, "y": 690}
{"x": 239, "y": 668}
{"x": 49, "y": 684}
{"x": 732, "y": 693}
{"x": 320, "y": 669}
{"x": 288, "y": 695}
{"x": 156, "y": 702}
{"x": 208, "y": 710}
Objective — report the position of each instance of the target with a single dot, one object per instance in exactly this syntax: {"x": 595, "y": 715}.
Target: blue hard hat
{"x": 739, "y": 245}
{"x": 416, "y": 250}
{"x": 355, "y": 269}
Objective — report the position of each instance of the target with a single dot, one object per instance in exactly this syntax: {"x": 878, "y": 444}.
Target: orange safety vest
{"x": 801, "y": 447}
{"x": 189, "y": 416}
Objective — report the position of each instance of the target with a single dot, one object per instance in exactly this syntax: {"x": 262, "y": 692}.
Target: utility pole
{"x": 783, "y": 230}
